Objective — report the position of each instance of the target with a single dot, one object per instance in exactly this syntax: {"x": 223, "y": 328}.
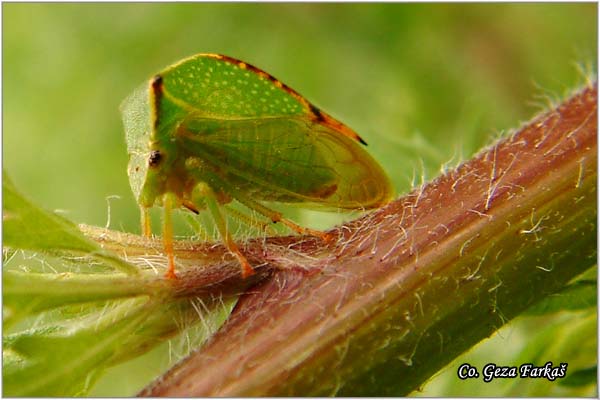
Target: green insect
{"x": 210, "y": 129}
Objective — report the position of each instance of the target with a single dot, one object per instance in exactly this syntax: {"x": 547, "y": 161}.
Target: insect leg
{"x": 203, "y": 191}
{"x": 145, "y": 218}
{"x": 249, "y": 220}
{"x": 276, "y": 216}
{"x": 168, "y": 203}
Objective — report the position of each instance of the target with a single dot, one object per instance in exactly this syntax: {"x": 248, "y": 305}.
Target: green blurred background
{"x": 426, "y": 85}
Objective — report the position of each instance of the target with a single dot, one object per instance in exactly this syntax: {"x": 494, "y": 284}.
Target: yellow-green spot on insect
{"x": 201, "y": 142}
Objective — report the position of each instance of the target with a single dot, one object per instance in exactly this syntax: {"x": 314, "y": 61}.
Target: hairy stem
{"x": 406, "y": 289}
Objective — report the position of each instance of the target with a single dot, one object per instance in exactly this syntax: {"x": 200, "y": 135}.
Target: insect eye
{"x": 154, "y": 158}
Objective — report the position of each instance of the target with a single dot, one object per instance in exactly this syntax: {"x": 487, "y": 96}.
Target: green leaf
{"x": 26, "y": 293}
{"x": 65, "y": 358}
{"x": 28, "y": 227}
{"x": 87, "y": 322}
{"x": 56, "y": 360}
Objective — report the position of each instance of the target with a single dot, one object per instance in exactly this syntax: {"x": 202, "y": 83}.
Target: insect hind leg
{"x": 276, "y": 216}
{"x": 250, "y": 221}
{"x": 203, "y": 192}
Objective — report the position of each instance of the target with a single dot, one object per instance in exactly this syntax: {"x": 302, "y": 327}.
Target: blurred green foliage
{"x": 426, "y": 85}
{"x": 420, "y": 82}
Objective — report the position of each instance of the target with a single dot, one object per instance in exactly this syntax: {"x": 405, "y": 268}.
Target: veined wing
{"x": 288, "y": 159}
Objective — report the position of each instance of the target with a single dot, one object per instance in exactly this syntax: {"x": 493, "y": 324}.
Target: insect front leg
{"x": 145, "y": 220}
{"x": 203, "y": 194}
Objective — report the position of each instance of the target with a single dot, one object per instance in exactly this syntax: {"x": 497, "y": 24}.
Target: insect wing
{"x": 362, "y": 183}
{"x": 289, "y": 159}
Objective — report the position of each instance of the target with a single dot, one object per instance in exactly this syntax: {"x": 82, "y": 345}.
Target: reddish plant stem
{"x": 411, "y": 286}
